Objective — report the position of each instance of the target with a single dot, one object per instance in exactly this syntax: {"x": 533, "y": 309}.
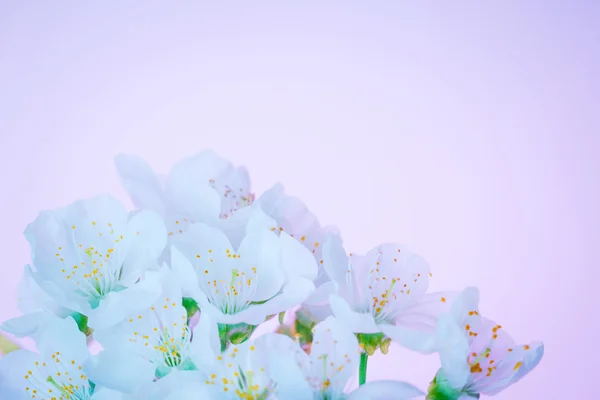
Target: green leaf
{"x": 82, "y": 323}
{"x": 281, "y": 317}
{"x": 191, "y": 306}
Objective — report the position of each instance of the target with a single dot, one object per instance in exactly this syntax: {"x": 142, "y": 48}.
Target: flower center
{"x": 57, "y": 379}
{"x": 233, "y": 296}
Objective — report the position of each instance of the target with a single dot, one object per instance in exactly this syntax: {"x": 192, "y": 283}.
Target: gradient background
{"x": 466, "y": 130}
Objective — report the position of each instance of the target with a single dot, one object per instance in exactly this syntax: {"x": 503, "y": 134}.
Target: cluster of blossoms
{"x": 172, "y": 294}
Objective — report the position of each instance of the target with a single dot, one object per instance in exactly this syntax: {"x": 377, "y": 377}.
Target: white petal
{"x": 453, "y": 348}
{"x": 235, "y": 226}
{"x": 262, "y": 249}
{"x": 207, "y": 249}
{"x": 140, "y": 181}
{"x": 293, "y": 294}
{"x": 466, "y": 301}
{"x": 259, "y": 220}
{"x": 172, "y": 384}
{"x": 410, "y": 338}
{"x": 288, "y": 376}
{"x": 415, "y": 326}
{"x": 13, "y": 367}
{"x": 150, "y": 233}
{"x": 117, "y": 305}
{"x": 185, "y": 273}
{"x": 28, "y": 325}
{"x": 357, "y": 322}
{"x": 335, "y": 260}
{"x": 512, "y": 368}
{"x": 101, "y": 393}
{"x": 191, "y": 391}
{"x": 297, "y": 260}
{"x": 119, "y": 370}
{"x": 188, "y": 186}
{"x": 385, "y": 390}
{"x": 205, "y": 343}
{"x": 321, "y": 294}
{"x": 333, "y": 341}
{"x": 64, "y": 335}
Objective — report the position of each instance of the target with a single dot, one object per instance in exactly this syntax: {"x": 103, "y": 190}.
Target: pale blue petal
{"x": 63, "y": 297}
{"x": 258, "y": 220}
{"x": 13, "y": 368}
{"x": 334, "y": 342}
{"x": 292, "y": 295}
{"x": 185, "y": 273}
{"x": 412, "y": 339}
{"x": 119, "y": 370}
{"x": 453, "y": 348}
{"x": 423, "y": 312}
{"x": 8, "y": 392}
{"x": 281, "y": 355}
{"x": 235, "y": 226}
{"x": 118, "y": 305}
{"x": 336, "y": 264}
{"x": 357, "y": 322}
{"x": 172, "y": 383}
{"x": 317, "y": 312}
{"x": 262, "y": 249}
{"x": 192, "y": 391}
{"x": 32, "y": 298}
{"x": 514, "y": 367}
{"x": 386, "y": 390}
{"x": 28, "y": 325}
{"x": 321, "y": 294}
{"x": 297, "y": 260}
{"x": 101, "y": 393}
{"x": 140, "y": 182}
{"x": 467, "y": 300}
{"x": 188, "y": 186}
{"x": 63, "y": 335}
{"x": 290, "y": 380}
{"x": 150, "y": 234}
{"x": 415, "y": 326}
{"x": 205, "y": 345}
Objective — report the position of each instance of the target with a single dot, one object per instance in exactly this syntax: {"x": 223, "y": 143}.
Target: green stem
{"x": 362, "y": 373}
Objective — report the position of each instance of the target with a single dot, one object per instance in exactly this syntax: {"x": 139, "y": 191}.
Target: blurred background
{"x": 465, "y": 130}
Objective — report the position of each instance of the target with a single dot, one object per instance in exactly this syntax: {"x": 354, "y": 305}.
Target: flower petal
{"x": 184, "y": 273}
{"x": 296, "y": 259}
{"x": 321, "y": 294}
{"x": 117, "y": 305}
{"x": 415, "y": 326}
{"x": 140, "y": 182}
{"x": 205, "y": 341}
{"x": 410, "y": 338}
{"x": 261, "y": 249}
{"x": 453, "y": 348}
{"x": 355, "y": 321}
{"x": 119, "y": 370}
{"x": 101, "y": 393}
{"x": 188, "y": 186}
{"x": 13, "y": 367}
{"x": 385, "y": 390}
{"x": 335, "y": 260}
{"x": 63, "y": 335}
{"x": 31, "y": 324}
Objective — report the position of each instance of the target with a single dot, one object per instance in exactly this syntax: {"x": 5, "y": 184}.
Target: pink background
{"x": 466, "y": 130}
